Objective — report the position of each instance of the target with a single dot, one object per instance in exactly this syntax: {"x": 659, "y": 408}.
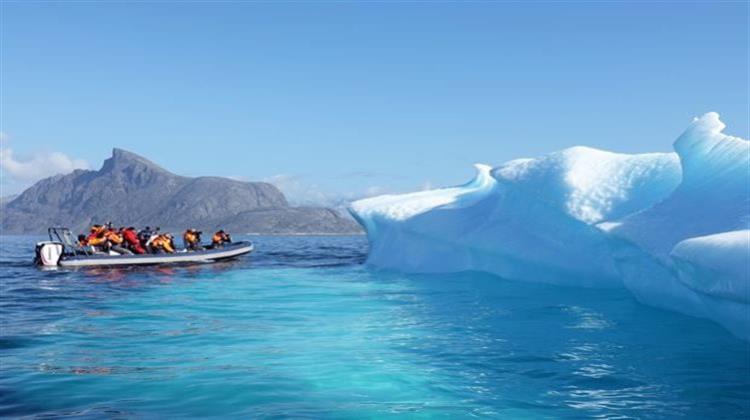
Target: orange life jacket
{"x": 220, "y": 238}
{"x": 96, "y": 238}
{"x": 162, "y": 242}
{"x": 190, "y": 238}
{"x": 113, "y": 237}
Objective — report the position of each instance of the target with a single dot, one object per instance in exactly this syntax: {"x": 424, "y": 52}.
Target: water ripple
{"x": 302, "y": 329}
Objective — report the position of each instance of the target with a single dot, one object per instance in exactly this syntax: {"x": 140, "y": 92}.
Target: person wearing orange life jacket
{"x": 163, "y": 243}
{"x": 154, "y": 234}
{"x": 115, "y": 241}
{"x": 97, "y": 237}
{"x": 220, "y": 238}
{"x": 192, "y": 240}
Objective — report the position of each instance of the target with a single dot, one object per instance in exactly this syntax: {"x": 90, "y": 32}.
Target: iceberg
{"x": 659, "y": 224}
{"x": 716, "y": 265}
{"x": 526, "y": 219}
{"x": 717, "y": 268}
{"x": 713, "y": 195}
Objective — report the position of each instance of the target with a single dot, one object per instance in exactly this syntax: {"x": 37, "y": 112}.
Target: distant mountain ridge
{"x": 131, "y": 190}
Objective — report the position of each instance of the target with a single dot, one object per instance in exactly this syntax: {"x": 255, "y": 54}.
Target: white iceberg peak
{"x": 405, "y": 206}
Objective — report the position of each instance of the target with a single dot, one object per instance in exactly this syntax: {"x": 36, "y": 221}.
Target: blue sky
{"x": 341, "y": 99}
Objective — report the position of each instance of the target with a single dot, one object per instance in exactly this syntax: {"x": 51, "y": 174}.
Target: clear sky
{"x": 333, "y": 98}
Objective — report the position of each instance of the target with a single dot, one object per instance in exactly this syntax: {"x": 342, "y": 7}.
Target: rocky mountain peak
{"x": 122, "y": 159}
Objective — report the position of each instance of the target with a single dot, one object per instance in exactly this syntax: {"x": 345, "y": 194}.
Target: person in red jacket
{"x": 130, "y": 237}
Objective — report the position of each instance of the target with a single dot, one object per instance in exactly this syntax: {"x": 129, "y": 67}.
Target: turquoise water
{"x": 302, "y": 329}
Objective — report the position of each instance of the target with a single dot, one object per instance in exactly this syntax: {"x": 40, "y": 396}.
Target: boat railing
{"x": 65, "y": 237}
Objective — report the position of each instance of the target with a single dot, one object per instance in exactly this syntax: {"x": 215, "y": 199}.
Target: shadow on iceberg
{"x": 587, "y": 217}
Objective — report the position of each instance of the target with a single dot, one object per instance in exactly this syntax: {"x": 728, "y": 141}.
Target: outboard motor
{"x": 48, "y": 253}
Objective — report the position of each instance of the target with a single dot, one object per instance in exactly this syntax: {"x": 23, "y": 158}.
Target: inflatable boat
{"x": 63, "y": 250}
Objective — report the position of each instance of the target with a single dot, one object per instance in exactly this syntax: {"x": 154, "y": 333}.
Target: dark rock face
{"x": 131, "y": 190}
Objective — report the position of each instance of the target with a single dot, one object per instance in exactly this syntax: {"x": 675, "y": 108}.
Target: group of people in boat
{"x": 127, "y": 240}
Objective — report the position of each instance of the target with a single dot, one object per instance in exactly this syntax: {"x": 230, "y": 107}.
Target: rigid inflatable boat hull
{"x": 209, "y": 255}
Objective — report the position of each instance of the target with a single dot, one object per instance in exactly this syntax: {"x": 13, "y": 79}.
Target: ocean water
{"x": 301, "y": 328}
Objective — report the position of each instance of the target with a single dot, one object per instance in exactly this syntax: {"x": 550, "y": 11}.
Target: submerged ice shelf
{"x": 669, "y": 227}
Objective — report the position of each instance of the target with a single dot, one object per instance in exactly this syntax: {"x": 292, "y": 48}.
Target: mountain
{"x": 7, "y": 199}
{"x": 131, "y": 190}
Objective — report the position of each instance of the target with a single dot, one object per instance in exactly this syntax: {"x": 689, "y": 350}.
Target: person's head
{"x": 81, "y": 237}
